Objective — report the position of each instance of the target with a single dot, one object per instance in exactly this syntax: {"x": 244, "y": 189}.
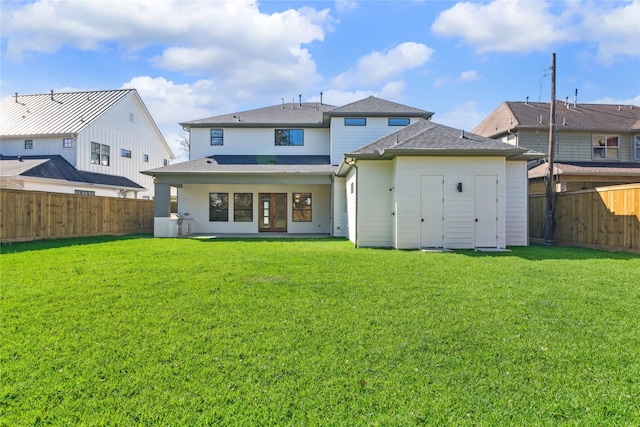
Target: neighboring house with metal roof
{"x": 93, "y": 143}
{"x": 377, "y": 172}
{"x": 596, "y": 144}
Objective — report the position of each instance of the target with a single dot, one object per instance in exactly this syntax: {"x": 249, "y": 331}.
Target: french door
{"x": 273, "y": 212}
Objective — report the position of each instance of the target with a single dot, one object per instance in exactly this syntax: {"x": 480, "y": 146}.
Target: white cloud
{"x": 464, "y": 116}
{"x": 635, "y": 101}
{"x": 616, "y": 30}
{"x": 380, "y": 67}
{"x": 469, "y": 76}
{"x": 345, "y": 5}
{"x": 505, "y": 25}
{"x": 524, "y": 26}
{"x": 229, "y": 40}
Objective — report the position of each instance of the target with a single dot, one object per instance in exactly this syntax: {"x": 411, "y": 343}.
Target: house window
{"x": 355, "y": 121}
{"x": 85, "y": 192}
{"x": 637, "y": 145}
{"x": 28, "y": 144}
{"x": 398, "y": 121}
{"x": 290, "y": 137}
{"x": 66, "y": 143}
{"x": 218, "y": 206}
{"x": 99, "y": 154}
{"x": 243, "y": 207}
{"x": 165, "y": 162}
{"x": 125, "y": 153}
{"x": 301, "y": 207}
{"x": 145, "y": 158}
{"x": 605, "y": 146}
{"x": 216, "y": 137}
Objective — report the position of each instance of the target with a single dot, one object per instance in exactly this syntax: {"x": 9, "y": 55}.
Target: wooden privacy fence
{"x": 31, "y": 215}
{"x": 607, "y": 217}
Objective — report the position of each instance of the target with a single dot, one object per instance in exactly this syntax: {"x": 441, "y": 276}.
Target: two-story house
{"x": 90, "y": 143}
{"x": 380, "y": 173}
{"x": 595, "y": 144}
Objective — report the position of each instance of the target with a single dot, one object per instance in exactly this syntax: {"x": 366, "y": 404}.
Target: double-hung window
{"x": 294, "y": 137}
{"x": 100, "y": 154}
{"x": 28, "y": 144}
{"x": 637, "y": 147}
{"x": 605, "y": 147}
{"x": 219, "y": 207}
{"x": 243, "y": 207}
{"x": 217, "y": 137}
{"x": 301, "y": 207}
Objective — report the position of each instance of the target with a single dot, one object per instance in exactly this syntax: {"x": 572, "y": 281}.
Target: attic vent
{"x": 131, "y": 117}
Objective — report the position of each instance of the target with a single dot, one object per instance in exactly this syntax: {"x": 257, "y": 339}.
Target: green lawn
{"x": 142, "y": 331}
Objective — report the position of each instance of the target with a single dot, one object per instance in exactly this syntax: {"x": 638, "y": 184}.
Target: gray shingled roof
{"x": 587, "y": 168}
{"x": 260, "y": 164}
{"x": 306, "y": 114}
{"x": 429, "y": 138}
{"x": 582, "y": 117}
{"x": 373, "y": 106}
{"x": 56, "y": 167}
{"x": 57, "y": 113}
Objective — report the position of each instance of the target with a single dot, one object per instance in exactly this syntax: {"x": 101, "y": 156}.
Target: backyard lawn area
{"x": 187, "y": 332}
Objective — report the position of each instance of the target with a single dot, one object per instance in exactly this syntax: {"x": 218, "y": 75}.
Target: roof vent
{"x": 20, "y": 159}
{"x": 462, "y": 135}
{"x": 282, "y": 103}
{"x": 564, "y": 121}
{"x": 540, "y": 120}
{"x": 526, "y": 101}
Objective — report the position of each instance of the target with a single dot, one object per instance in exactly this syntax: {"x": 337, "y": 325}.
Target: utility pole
{"x": 548, "y": 213}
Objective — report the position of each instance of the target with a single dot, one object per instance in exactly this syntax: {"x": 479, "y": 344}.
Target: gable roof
{"x": 306, "y": 114}
{"x": 429, "y": 138}
{"x": 55, "y": 112}
{"x": 569, "y": 117}
{"x": 56, "y": 167}
{"x": 259, "y": 164}
{"x": 373, "y": 107}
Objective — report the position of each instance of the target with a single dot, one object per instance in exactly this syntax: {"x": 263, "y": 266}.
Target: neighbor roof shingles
{"x": 583, "y": 117}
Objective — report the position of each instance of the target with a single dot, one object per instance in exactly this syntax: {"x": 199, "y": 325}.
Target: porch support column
{"x": 162, "y": 202}
{"x": 163, "y": 226}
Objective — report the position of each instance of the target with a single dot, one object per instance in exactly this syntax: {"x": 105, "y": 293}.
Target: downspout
{"x": 357, "y": 204}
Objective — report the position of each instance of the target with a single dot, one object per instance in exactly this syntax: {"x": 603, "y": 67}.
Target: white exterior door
{"x": 432, "y": 211}
{"x": 486, "y": 211}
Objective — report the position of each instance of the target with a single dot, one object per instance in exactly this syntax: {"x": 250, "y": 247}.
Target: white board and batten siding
{"x": 345, "y": 139}
{"x": 339, "y": 220}
{"x": 42, "y": 145}
{"x": 193, "y": 199}
{"x": 351, "y": 185}
{"x": 458, "y": 207}
{"x": 124, "y": 126}
{"x": 517, "y": 204}
{"x": 256, "y": 141}
{"x": 375, "y": 203}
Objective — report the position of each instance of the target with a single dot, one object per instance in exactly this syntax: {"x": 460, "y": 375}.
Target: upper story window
{"x": 605, "y": 147}
{"x": 28, "y": 144}
{"x": 165, "y": 162}
{"x": 290, "y": 137}
{"x": 67, "y": 143}
{"x": 145, "y": 158}
{"x": 125, "y": 153}
{"x": 216, "y": 137}
{"x": 637, "y": 147}
{"x": 100, "y": 154}
{"x": 398, "y": 121}
{"x": 355, "y": 121}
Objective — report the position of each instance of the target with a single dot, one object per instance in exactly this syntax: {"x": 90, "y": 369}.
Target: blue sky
{"x": 196, "y": 59}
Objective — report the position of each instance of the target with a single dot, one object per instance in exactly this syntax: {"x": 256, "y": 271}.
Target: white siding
{"x": 256, "y": 141}
{"x": 352, "y": 191}
{"x": 458, "y": 206}
{"x": 48, "y": 146}
{"x": 345, "y": 139}
{"x": 193, "y": 199}
{"x": 339, "y": 210}
{"x": 375, "y": 203}
{"x": 517, "y": 209}
{"x": 115, "y": 129}
{"x": 58, "y": 186}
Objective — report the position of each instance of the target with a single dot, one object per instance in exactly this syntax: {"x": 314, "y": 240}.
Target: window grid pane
{"x": 301, "y": 207}
{"x": 243, "y": 207}
{"x": 289, "y": 137}
{"x": 218, "y": 206}
{"x": 217, "y": 137}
